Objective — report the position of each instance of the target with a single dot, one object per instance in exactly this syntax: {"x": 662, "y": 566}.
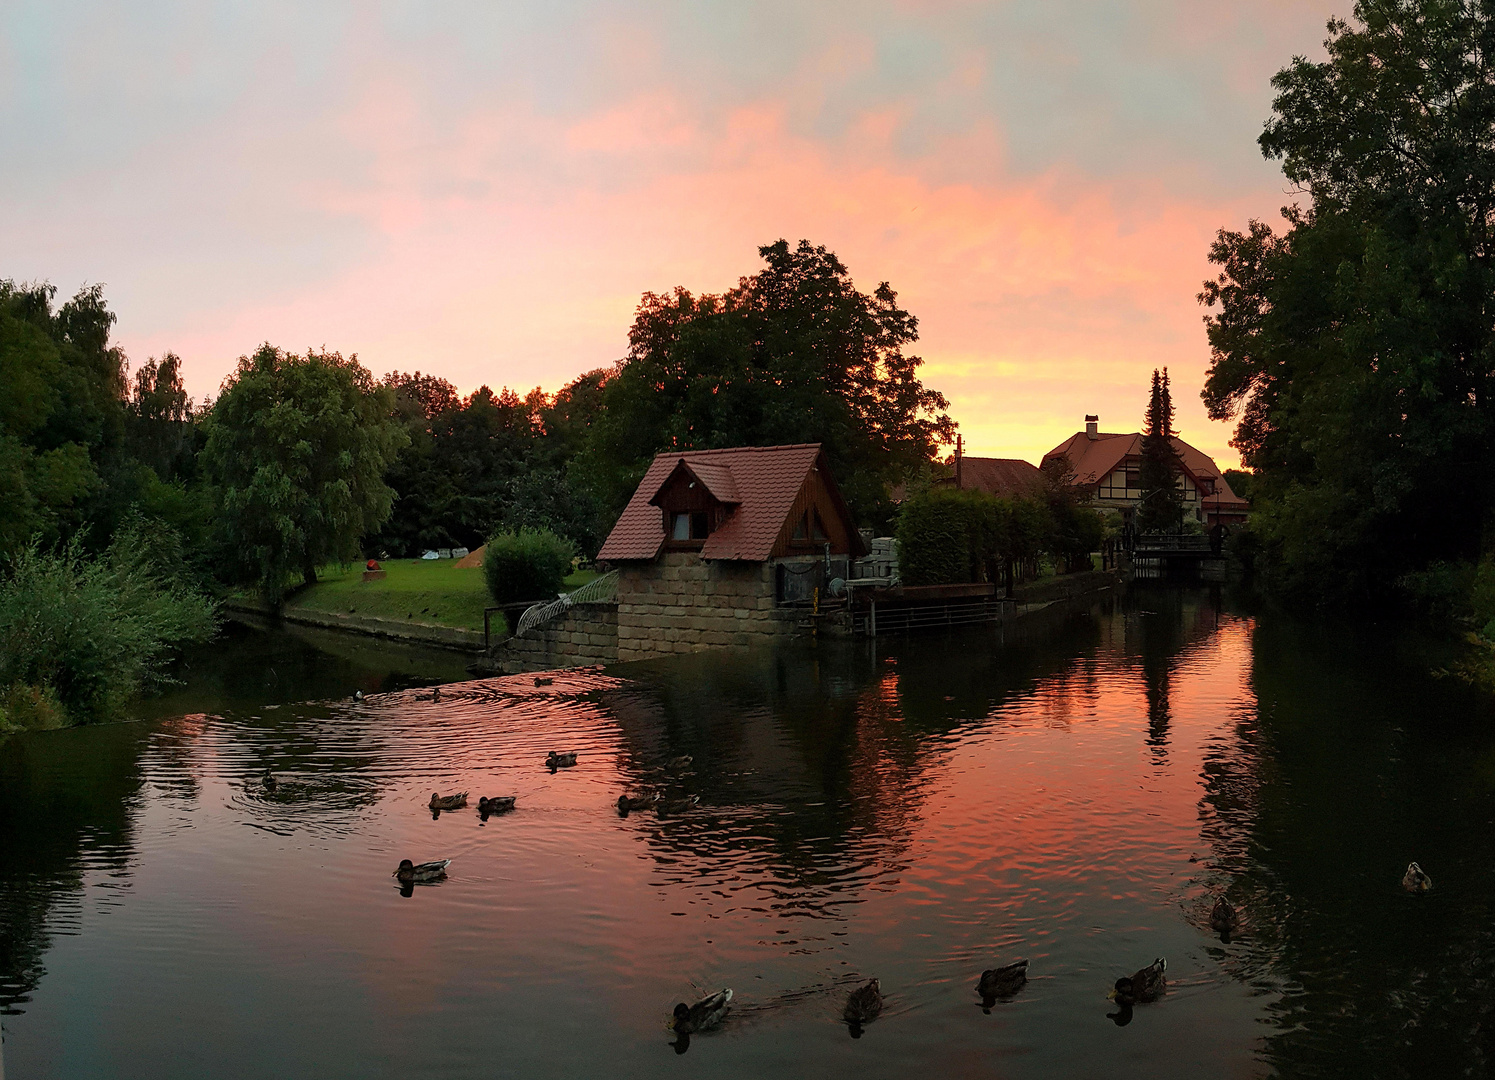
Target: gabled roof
{"x": 998, "y": 476}
{"x": 714, "y": 477}
{"x": 763, "y": 481}
{"x": 1093, "y": 459}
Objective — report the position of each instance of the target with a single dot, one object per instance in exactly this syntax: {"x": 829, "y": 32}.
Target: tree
{"x": 1161, "y": 506}
{"x": 794, "y": 353}
{"x": 1356, "y": 346}
{"x": 298, "y": 446}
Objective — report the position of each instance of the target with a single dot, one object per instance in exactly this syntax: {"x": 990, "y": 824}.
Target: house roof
{"x": 998, "y": 476}
{"x": 763, "y": 481}
{"x": 1093, "y": 459}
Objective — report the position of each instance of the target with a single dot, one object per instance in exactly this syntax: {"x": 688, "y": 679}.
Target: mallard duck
{"x": 544, "y": 680}
{"x": 436, "y": 693}
{"x": 357, "y": 695}
{"x": 448, "y": 802}
{"x": 1222, "y": 917}
{"x": 637, "y": 802}
{"x": 270, "y": 782}
{"x": 1414, "y": 880}
{"x": 409, "y": 872}
{"x": 1003, "y": 981}
{"x": 676, "y": 806}
{"x": 681, "y": 762}
{"x": 1146, "y": 985}
{"x": 704, "y": 1014}
{"x": 560, "y": 761}
{"x": 495, "y": 805}
{"x": 864, "y": 1004}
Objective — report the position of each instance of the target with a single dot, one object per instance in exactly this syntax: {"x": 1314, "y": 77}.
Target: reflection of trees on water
{"x": 813, "y": 764}
{"x": 66, "y": 801}
{"x": 1350, "y": 765}
{"x": 1161, "y": 622}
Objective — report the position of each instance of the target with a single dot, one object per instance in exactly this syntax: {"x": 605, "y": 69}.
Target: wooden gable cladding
{"x": 683, "y": 493}
{"x": 817, "y": 498}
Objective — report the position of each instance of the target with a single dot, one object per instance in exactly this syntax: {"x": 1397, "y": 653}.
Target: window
{"x": 689, "y": 526}
{"x": 1133, "y": 479}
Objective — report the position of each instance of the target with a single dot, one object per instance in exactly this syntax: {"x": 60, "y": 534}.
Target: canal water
{"x": 915, "y": 810}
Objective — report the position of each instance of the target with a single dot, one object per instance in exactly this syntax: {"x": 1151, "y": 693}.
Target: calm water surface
{"x": 914, "y": 810}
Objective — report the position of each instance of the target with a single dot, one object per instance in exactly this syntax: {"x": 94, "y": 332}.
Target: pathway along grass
{"x": 414, "y": 590}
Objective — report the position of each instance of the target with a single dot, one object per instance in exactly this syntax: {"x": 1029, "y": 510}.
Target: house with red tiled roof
{"x": 1004, "y": 477}
{"x": 1109, "y": 467}
{"x": 714, "y": 543}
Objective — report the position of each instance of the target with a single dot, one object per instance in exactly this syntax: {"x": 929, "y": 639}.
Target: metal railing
{"x": 603, "y": 590}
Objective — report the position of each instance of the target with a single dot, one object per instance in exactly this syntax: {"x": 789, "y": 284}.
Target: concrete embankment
{"x": 446, "y": 637}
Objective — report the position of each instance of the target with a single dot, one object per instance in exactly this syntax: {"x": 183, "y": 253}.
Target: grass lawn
{"x": 415, "y": 590}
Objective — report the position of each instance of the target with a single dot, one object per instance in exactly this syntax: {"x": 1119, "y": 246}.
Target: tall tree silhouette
{"x": 1162, "y": 499}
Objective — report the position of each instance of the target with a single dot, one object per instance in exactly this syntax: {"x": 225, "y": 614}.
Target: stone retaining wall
{"x": 586, "y": 634}
{"x": 683, "y": 604}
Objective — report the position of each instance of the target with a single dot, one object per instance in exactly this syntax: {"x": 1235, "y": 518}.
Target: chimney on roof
{"x": 1092, "y": 427}
{"x": 957, "y": 461}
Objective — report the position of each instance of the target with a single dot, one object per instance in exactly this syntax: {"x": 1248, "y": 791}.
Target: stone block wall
{"x": 585, "y": 635}
{"x": 682, "y": 603}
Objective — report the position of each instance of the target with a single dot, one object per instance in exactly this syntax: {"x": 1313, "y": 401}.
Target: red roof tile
{"x": 763, "y": 480}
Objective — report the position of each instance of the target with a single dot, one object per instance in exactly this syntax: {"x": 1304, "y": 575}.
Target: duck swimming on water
{"x": 1223, "y": 918}
{"x": 1414, "y": 880}
{"x": 448, "y": 802}
{"x": 703, "y": 1015}
{"x": 555, "y": 761}
{"x": 637, "y": 802}
{"x": 1003, "y": 981}
{"x": 1146, "y": 985}
{"x": 862, "y": 1007}
{"x": 269, "y": 781}
{"x": 415, "y": 873}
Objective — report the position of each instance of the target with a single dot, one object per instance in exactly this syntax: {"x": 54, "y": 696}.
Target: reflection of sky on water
{"x": 917, "y": 809}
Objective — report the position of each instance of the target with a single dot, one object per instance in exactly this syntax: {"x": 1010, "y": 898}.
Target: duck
{"x": 864, "y": 1004}
{"x": 448, "y": 802}
{"x": 1003, "y": 981}
{"x": 681, "y": 762}
{"x": 357, "y": 695}
{"x": 1414, "y": 880}
{"x": 495, "y": 805}
{"x": 409, "y": 872}
{"x": 636, "y": 802}
{"x": 544, "y": 680}
{"x": 704, "y": 1014}
{"x": 1222, "y": 917}
{"x": 270, "y": 782}
{"x": 560, "y": 761}
{"x": 1146, "y": 985}
{"x": 436, "y": 693}
{"x": 676, "y": 806}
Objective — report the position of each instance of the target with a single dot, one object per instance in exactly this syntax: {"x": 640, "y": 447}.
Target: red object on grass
{"x": 373, "y": 564}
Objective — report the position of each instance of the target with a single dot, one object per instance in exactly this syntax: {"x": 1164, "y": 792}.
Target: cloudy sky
{"x": 483, "y": 190}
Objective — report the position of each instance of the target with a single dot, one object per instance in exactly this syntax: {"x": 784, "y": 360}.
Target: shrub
{"x": 84, "y": 635}
{"x": 530, "y": 564}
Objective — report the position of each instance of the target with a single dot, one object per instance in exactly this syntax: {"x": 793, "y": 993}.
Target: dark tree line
{"x": 1355, "y": 345}
{"x": 306, "y": 460}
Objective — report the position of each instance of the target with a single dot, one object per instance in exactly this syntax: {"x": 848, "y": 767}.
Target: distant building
{"x": 1006, "y": 477}
{"x": 714, "y": 541}
{"x": 1108, "y": 466}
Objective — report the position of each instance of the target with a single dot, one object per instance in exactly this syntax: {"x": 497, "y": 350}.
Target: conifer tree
{"x": 1161, "y": 507}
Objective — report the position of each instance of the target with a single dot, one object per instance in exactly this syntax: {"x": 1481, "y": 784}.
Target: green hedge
{"x": 947, "y": 536}
{"x": 530, "y": 564}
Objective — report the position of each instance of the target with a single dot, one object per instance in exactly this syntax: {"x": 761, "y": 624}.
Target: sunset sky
{"x": 482, "y": 190}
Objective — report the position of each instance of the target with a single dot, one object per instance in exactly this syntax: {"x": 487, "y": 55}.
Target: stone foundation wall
{"x": 682, "y": 603}
{"x": 585, "y": 635}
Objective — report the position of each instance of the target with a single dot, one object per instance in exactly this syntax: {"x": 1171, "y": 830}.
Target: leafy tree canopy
{"x": 298, "y": 446}
{"x": 795, "y": 353}
{"x": 1356, "y": 347}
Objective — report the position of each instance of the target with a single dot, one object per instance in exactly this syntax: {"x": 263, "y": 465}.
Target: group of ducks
{"x": 864, "y": 1004}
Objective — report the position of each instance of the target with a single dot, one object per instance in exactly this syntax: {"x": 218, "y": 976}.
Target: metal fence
{"x": 603, "y": 590}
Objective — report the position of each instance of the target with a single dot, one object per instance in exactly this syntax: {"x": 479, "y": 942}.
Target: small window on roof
{"x": 680, "y": 527}
{"x": 688, "y": 526}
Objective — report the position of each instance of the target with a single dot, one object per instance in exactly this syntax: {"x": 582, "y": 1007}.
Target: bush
{"x": 84, "y": 635}
{"x": 943, "y": 535}
{"x": 530, "y": 564}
